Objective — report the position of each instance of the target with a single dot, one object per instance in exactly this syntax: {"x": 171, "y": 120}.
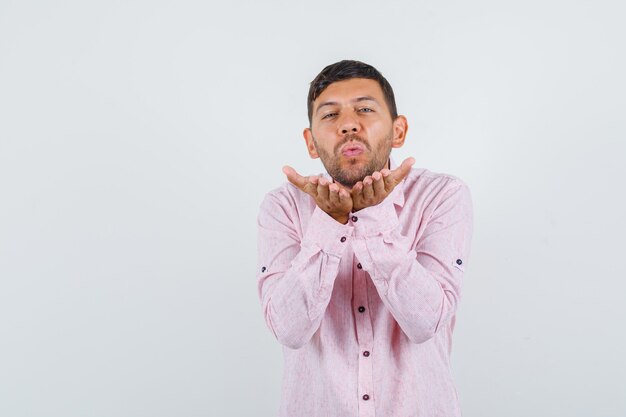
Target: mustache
{"x": 352, "y": 137}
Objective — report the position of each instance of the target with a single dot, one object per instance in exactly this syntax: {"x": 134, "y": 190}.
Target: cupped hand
{"x": 332, "y": 198}
{"x": 376, "y": 187}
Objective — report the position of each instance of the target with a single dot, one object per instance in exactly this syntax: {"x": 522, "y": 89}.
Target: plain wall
{"x": 137, "y": 139}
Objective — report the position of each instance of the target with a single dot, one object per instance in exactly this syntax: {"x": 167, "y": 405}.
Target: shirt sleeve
{"x": 419, "y": 282}
{"x": 296, "y": 273}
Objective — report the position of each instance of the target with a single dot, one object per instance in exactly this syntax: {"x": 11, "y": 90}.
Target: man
{"x": 360, "y": 269}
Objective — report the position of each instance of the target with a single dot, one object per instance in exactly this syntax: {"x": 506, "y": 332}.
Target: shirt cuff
{"x": 327, "y": 233}
{"x": 373, "y": 220}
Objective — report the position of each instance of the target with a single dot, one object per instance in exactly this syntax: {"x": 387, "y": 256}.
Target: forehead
{"x": 348, "y": 90}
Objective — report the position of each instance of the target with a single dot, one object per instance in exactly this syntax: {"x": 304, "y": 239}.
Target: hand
{"x": 331, "y": 197}
{"x": 375, "y": 188}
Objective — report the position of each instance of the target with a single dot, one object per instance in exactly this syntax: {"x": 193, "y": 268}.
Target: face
{"x": 352, "y": 131}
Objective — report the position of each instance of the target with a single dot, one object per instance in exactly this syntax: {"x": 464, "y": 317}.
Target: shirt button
{"x": 366, "y": 353}
{"x": 263, "y": 269}
{"x": 355, "y": 218}
{"x": 361, "y": 309}
{"x": 359, "y": 266}
{"x": 366, "y": 397}
{"x": 343, "y": 239}
{"x": 459, "y": 262}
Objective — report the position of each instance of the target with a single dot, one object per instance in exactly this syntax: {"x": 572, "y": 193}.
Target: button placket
{"x": 365, "y": 340}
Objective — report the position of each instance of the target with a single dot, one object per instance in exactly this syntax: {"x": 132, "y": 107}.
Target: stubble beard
{"x": 348, "y": 178}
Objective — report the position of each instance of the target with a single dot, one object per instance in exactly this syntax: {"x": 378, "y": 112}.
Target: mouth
{"x": 352, "y": 149}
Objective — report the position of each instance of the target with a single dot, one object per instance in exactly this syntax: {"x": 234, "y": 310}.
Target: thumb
{"x": 293, "y": 177}
{"x": 405, "y": 167}
{"x": 403, "y": 170}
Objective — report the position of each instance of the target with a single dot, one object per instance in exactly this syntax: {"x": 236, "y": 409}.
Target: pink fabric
{"x": 403, "y": 260}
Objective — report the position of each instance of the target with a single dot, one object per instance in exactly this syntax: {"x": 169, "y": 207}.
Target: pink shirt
{"x": 365, "y": 311}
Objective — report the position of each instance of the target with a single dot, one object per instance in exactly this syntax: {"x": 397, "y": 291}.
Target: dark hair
{"x": 345, "y": 70}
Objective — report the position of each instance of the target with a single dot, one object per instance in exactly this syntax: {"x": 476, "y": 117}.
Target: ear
{"x": 400, "y": 127}
{"x": 310, "y": 144}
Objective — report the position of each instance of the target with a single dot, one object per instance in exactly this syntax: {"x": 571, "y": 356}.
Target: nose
{"x": 348, "y": 123}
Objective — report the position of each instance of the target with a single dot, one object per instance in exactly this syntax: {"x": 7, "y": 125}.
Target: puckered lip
{"x": 351, "y": 147}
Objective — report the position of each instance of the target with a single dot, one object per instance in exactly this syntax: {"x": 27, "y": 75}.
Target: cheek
{"x": 325, "y": 152}
{"x": 379, "y": 125}
{"x": 375, "y": 129}
{"x": 321, "y": 131}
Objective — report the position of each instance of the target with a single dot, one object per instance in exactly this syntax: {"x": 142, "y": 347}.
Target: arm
{"x": 296, "y": 275}
{"x": 420, "y": 287}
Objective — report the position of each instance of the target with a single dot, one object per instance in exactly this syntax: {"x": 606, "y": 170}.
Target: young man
{"x": 360, "y": 270}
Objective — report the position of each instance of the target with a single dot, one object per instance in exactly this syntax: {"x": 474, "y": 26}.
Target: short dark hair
{"x": 345, "y": 70}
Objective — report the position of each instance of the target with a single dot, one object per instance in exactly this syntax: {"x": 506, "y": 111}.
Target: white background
{"x": 137, "y": 139}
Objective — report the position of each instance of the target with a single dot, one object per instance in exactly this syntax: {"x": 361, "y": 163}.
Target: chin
{"x": 349, "y": 180}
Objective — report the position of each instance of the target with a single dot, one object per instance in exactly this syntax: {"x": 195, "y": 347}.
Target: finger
{"x": 333, "y": 194}
{"x": 311, "y": 186}
{"x": 368, "y": 190}
{"x": 398, "y": 174}
{"x": 322, "y": 188}
{"x": 344, "y": 196}
{"x": 306, "y": 184}
{"x": 345, "y": 200}
{"x": 357, "y": 190}
{"x": 294, "y": 178}
{"x": 356, "y": 194}
{"x": 379, "y": 185}
{"x": 403, "y": 170}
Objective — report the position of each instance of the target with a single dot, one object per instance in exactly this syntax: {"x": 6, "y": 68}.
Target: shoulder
{"x": 286, "y": 208}
{"x": 424, "y": 177}
{"x": 286, "y": 195}
{"x": 286, "y": 201}
{"x": 431, "y": 186}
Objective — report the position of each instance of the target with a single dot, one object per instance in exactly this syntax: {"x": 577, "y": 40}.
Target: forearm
{"x": 294, "y": 304}
{"x": 418, "y": 277}
{"x": 296, "y": 280}
{"x": 420, "y": 301}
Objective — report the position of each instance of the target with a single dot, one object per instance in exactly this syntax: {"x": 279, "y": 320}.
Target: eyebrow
{"x": 356, "y": 100}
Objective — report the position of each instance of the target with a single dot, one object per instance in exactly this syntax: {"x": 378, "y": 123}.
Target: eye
{"x": 365, "y": 110}
{"x": 329, "y": 115}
